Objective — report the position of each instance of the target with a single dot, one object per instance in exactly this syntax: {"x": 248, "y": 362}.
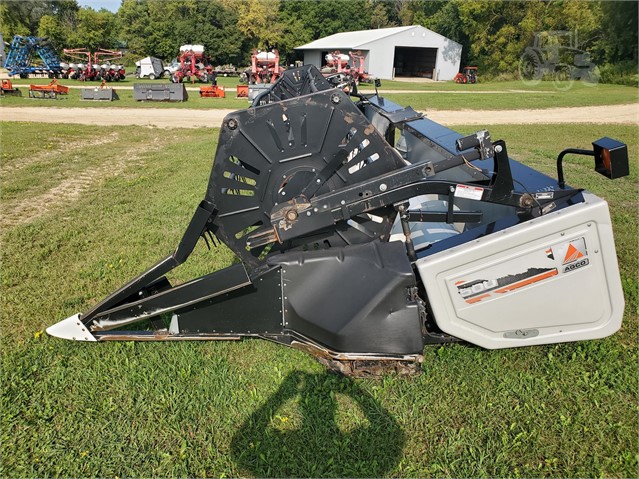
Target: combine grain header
{"x": 366, "y": 231}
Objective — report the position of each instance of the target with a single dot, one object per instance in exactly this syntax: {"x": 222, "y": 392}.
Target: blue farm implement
{"x": 29, "y": 55}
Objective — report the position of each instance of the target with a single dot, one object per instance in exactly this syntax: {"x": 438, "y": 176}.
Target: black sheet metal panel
{"x": 104, "y": 94}
{"x": 191, "y": 294}
{"x": 353, "y": 299}
{"x": 270, "y": 154}
{"x": 255, "y": 309}
{"x": 293, "y": 83}
{"x": 160, "y": 92}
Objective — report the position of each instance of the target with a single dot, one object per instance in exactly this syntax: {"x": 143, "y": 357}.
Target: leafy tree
{"x": 51, "y": 27}
{"x": 258, "y": 20}
{"x": 132, "y": 22}
{"x": 158, "y": 28}
{"x": 93, "y": 30}
{"x": 379, "y": 14}
{"x": 22, "y": 17}
{"x": 444, "y": 18}
{"x": 618, "y": 42}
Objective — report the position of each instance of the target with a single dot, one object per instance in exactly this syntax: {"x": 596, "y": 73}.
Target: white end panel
{"x": 549, "y": 280}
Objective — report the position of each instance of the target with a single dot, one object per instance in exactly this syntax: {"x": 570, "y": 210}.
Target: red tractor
{"x": 469, "y": 75}
{"x": 192, "y": 65}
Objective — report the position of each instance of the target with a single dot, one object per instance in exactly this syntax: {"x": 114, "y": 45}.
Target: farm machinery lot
{"x": 69, "y": 211}
{"x": 421, "y": 96}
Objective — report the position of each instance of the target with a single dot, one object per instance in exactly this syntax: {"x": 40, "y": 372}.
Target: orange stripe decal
{"x": 477, "y": 299}
{"x": 528, "y": 281}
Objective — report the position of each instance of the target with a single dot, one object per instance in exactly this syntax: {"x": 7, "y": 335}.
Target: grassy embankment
{"x": 85, "y": 210}
{"x": 426, "y": 96}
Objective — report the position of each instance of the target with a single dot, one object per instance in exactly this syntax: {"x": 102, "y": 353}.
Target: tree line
{"x": 493, "y": 33}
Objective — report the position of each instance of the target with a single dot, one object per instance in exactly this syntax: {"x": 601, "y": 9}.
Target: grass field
{"x": 438, "y": 96}
{"x": 86, "y": 209}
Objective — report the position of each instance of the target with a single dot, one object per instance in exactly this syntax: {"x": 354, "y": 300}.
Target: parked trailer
{"x": 226, "y": 70}
{"x": 149, "y": 67}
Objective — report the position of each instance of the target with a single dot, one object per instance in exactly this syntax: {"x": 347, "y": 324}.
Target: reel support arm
{"x": 143, "y": 285}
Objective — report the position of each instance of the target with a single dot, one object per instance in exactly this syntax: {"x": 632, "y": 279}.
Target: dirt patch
{"x": 67, "y": 191}
{"x": 20, "y": 163}
{"x": 610, "y": 114}
{"x": 71, "y": 189}
{"x": 187, "y": 118}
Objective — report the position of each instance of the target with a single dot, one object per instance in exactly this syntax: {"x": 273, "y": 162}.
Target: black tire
{"x": 152, "y": 76}
{"x": 530, "y": 70}
{"x": 562, "y": 77}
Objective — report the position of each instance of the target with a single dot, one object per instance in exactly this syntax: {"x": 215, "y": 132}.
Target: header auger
{"x": 360, "y": 249}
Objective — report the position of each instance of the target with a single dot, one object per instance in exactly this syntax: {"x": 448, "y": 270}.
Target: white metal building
{"x": 412, "y": 51}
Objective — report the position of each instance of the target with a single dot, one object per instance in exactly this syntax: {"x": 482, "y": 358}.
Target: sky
{"x": 111, "y": 5}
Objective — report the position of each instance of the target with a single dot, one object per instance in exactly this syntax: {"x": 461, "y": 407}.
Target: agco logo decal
{"x": 576, "y": 256}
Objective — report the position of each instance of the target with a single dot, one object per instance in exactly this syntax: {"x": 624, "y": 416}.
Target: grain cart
{"x": 360, "y": 249}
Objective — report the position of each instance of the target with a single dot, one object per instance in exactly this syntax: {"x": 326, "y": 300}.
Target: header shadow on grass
{"x": 336, "y": 430}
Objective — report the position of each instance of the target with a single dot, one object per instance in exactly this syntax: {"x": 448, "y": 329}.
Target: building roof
{"x": 358, "y": 39}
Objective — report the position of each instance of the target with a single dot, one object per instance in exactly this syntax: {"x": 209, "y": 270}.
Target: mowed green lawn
{"x": 86, "y": 209}
{"x": 424, "y": 96}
